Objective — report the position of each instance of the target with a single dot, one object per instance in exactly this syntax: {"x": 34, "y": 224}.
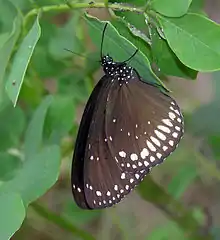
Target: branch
{"x": 152, "y": 192}
{"x": 61, "y": 222}
{"x": 74, "y": 5}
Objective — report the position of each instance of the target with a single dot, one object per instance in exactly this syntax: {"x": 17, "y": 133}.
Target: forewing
{"x": 77, "y": 175}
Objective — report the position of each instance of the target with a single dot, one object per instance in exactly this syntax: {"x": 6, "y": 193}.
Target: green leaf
{"x": 166, "y": 60}
{"x": 8, "y": 166}
{"x": 120, "y": 48}
{"x": 34, "y": 133}
{"x": 55, "y": 125}
{"x": 66, "y": 37}
{"x": 171, "y": 8}
{"x": 8, "y": 14}
{"x": 12, "y": 214}
{"x": 182, "y": 180}
{"x": 21, "y": 61}
{"x": 38, "y": 174}
{"x": 196, "y": 47}
{"x": 6, "y": 47}
{"x": 9, "y": 131}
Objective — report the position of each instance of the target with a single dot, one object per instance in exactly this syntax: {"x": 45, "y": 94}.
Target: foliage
{"x": 47, "y": 84}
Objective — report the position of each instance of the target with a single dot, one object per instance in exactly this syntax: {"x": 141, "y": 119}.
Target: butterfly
{"x": 128, "y": 127}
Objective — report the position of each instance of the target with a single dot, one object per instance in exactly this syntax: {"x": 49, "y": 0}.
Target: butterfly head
{"x": 120, "y": 70}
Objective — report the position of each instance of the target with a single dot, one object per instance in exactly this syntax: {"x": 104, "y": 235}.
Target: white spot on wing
{"x": 160, "y": 135}
{"x": 172, "y": 115}
{"x": 165, "y": 148}
{"x": 171, "y": 142}
{"x": 123, "y": 176}
{"x": 122, "y": 154}
{"x": 98, "y": 193}
{"x": 175, "y": 134}
{"x": 167, "y": 122}
{"x": 144, "y": 153}
{"x": 155, "y": 140}
{"x": 134, "y": 157}
{"x": 164, "y": 129}
{"x": 151, "y": 146}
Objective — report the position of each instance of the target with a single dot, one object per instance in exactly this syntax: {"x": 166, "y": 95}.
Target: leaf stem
{"x": 61, "y": 222}
{"x": 79, "y": 5}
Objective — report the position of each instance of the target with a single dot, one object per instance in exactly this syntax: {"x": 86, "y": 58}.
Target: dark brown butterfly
{"x": 128, "y": 127}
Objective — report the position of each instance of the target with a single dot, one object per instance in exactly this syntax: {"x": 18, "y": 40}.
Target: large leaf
{"x": 120, "y": 48}
{"x": 166, "y": 60}
{"x": 197, "y": 47}
{"x": 12, "y": 123}
{"x": 171, "y": 8}
{"x": 60, "y": 118}
{"x": 37, "y": 175}
{"x": 8, "y": 166}
{"x": 21, "y": 61}
{"x": 12, "y": 214}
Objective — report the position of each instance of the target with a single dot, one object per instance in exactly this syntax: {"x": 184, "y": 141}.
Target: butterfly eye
{"x": 128, "y": 127}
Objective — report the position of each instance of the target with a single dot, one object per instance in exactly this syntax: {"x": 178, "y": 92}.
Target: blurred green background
{"x": 191, "y": 175}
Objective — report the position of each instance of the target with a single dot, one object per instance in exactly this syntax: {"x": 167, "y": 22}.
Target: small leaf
{"x": 171, "y": 8}
{"x": 120, "y": 48}
{"x": 196, "y": 47}
{"x": 34, "y": 133}
{"x": 182, "y": 180}
{"x": 6, "y": 49}
{"x": 37, "y": 175}
{"x": 12, "y": 214}
{"x": 21, "y": 61}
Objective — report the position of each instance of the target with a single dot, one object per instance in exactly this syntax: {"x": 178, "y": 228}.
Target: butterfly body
{"x": 128, "y": 127}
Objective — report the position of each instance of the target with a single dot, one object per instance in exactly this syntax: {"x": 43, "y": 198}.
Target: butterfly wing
{"x": 77, "y": 175}
{"x": 127, "y": 138}
{"x": 145, "y": 126}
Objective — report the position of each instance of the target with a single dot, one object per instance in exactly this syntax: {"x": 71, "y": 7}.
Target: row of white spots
{"x": 78, "y": 189}
{"x": 89, "y": 187}
{"x": 92, "y": 158}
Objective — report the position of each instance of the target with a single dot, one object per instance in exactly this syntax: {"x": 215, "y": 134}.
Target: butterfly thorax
{"x": 118, "y": 70}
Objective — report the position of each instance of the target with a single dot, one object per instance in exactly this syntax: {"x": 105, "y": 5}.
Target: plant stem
{"x": 60, "y": 221}
{"x": 155, "y": 194}
{"x": 74, "y": 5}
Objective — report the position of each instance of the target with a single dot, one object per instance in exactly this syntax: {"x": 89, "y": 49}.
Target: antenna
{"x": 131, "y": 56}
{"x": 78, "y": 54}
{"x": 103, "y": 34}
